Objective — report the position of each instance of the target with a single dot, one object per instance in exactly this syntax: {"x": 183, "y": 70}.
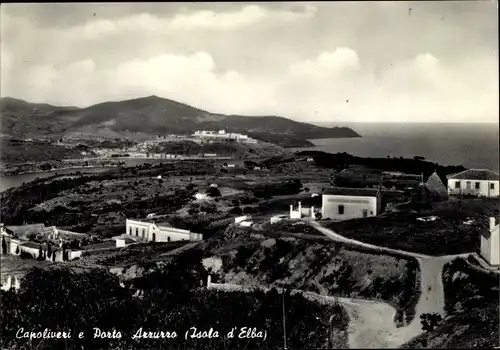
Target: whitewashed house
{"x": 246, "y": 223}
{"x": 341, "y": 203}
{"x": 239, "y": 219}
{"x": 475, "y": 182}
{"x": 490, "y": 243}
{"x": 158, "y": 232}
{"x": 302, "y": 212}
{"x": 123, "y": 241}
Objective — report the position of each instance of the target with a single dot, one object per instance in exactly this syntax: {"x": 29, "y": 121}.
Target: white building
{"x": 159, "y": 232}
{"x": 222, "y": 135}
{"x": 476, "y": 182}
{"x": 277, "y": 218}
{"x": 246, "y": 223}
{"x": 302, "y": 212}
{"x": 123, "y": 241}
{"x": 239, "y": 219}
{"x": 341, "y": 203}
{"x": 490, "y": 243}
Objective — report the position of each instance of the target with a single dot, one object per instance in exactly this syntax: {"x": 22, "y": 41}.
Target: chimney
{"x": 492, "y": 223}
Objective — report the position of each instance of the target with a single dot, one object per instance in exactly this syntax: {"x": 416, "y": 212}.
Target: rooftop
{"x": 357, "y": 192}
{"x": 26, "y": 229}
{"x": 475, "y": 174}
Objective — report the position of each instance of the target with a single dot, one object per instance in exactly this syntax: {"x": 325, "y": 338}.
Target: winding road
{"x": 372, "y": 322}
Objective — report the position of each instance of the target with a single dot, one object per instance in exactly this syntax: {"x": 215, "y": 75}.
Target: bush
{"x": 25, "y": 255}
{"x": 430, "y": 321}
{"x": 213, "y": 192}
{"x": 236, "y": 210}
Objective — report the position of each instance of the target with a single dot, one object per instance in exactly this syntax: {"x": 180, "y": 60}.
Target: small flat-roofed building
{"x": 158, "y": 232}
{"x": 341, "y": 203}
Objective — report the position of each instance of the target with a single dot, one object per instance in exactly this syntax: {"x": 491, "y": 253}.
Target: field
{"x": 456, "y": 229}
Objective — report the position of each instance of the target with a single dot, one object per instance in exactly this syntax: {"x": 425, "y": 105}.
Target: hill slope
{"x": 148, "y": 115}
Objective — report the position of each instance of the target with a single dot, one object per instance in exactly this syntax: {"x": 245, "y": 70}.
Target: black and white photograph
{"x": 249, "y": 175}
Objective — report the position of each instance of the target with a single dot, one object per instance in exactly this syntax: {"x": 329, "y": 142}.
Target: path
{"x": 371, "y": 325}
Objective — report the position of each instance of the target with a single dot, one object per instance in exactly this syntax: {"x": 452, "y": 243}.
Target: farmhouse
{"x": 342, "y": 203}
{"x": 15, "y": 241}
{"x": 475, "y": 182}
{"x": 490, "y": 243}
{"x": 158, "y": 232}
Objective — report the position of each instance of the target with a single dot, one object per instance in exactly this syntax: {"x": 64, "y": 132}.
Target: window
{"x": 467, "y": 185}
{"x": 478, "y": 185}
{"x": 130, "y": 231}
{"x": 143, "y": 232}
{"x": 492, "y": 186}
{"x": 137, "y": 232}
{"x": 457, "y": 184}
{"x": 341, "y": 210}
{"x": 168, "y": 238}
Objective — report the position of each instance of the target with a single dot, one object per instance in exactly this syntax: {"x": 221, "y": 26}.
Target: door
{"x": 365, "y": 213}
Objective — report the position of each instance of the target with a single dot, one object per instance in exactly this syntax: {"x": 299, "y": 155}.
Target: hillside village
{"x": 326, "y": 203}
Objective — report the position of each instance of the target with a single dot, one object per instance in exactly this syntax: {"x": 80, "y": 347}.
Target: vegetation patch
{"x": 171, "y": 299}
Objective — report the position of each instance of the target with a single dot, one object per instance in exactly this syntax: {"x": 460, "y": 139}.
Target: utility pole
{"x": 284, "y": 322}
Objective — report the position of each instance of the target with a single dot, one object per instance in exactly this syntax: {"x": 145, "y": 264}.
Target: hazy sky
{"x": 380, "y": 61}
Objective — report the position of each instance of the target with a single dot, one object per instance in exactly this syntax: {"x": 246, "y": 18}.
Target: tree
{"x": 236, "y": 210}
{"x": 213, "y": 192}
{"x": 430, "y": 321}
{"x": 49, "y": 250}
{"x": 4, "y": 246}
{"x": 40, "y": 252}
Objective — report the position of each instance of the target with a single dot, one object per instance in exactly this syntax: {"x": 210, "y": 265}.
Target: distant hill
{"x": 150, "y": 115}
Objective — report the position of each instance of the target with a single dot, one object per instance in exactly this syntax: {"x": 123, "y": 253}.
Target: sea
{"x": 470, "y": 145}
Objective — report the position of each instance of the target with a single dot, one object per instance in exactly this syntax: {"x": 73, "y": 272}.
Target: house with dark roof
{"x": 474, "y": 182}
{"x": 341, "y": 203}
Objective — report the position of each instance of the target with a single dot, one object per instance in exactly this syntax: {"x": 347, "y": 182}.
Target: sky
{"x": 318, "y": 62}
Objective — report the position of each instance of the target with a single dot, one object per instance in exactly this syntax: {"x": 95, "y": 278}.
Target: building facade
{"x": 474, "y": 182}
{"x": 157, "y": 232}
{"x": 490, "y": 243}
{"x": 340, "y": 203}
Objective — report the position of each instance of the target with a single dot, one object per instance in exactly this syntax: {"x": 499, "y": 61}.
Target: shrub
{"x": 236, "y": 210}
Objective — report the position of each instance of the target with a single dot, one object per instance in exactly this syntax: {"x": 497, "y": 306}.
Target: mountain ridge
{"x": 149, "y": 115}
